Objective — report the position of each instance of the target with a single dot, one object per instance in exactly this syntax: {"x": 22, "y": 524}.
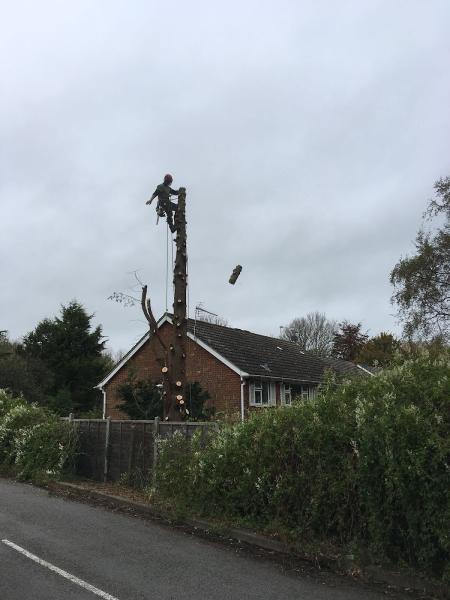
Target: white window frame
{"x": 304, "y": 392}
{"x": 256, "y": 390}
{"x": 307, "y": 392}
{"x": 286, "y": 392}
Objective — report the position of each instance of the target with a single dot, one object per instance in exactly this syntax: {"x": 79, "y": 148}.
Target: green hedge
{"x": 34, "y": 441}
{"x": 364, "y": 465}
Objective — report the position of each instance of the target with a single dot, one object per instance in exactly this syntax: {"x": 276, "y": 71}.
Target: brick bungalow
{"x": 241, "y": 370}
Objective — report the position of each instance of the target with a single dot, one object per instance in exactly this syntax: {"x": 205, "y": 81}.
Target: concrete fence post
{"x": 155, "y": 449}
{"x": 107, "y": 443}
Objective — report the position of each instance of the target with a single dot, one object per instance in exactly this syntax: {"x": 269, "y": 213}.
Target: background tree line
{"x": 421, "y": 292}
{"x": 62, "y": 359}
{"x": 58, "y": 363}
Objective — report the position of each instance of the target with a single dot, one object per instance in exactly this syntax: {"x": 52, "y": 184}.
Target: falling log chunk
{"x": 235, "y": 274}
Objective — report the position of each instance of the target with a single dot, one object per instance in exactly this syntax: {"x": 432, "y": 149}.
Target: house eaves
{"x": 167, "y": 319}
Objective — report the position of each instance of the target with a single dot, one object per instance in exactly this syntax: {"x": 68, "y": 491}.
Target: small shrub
{"x": 175, "y": 465}
{"x": 19, "y": 416}
{"x": 34, "y": 443}
{"x": 7, "y": 401}
{"x": 47, "y": 449}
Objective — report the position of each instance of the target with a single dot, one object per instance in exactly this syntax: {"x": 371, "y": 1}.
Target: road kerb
{"x": 373, "y": 573}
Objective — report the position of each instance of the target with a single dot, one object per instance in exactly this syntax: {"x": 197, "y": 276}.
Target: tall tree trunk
{"x": 176, "y": 407}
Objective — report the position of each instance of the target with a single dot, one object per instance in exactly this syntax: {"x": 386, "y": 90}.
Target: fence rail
{"x": 111, "y": 450}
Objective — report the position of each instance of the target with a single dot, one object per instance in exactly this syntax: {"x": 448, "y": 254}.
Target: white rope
{"x": 173, "y": 267}
{"x": 167, "y": 266}
{"x": 187, "y": 282}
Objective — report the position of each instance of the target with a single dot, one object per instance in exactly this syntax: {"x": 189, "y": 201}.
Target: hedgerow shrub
{"x": 46, "y": 449}
{"x": 19, "y": 416}
{"x": 403, "y": 419}
{"x": 365, "y": 463}
{"x": 7, "y": 401}
{"x": 32, "y": 439}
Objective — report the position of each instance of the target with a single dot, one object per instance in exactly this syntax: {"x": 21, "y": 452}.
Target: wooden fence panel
{"x": 129, "y": 450}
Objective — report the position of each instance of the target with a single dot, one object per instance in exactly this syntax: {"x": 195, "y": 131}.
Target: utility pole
{"x": 175, "y": 406}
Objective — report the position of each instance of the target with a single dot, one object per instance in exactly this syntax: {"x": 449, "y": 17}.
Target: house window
{"x": 286, "y": 394}
{"x": 305, "y": 392}
{"x": 262, "y": 393}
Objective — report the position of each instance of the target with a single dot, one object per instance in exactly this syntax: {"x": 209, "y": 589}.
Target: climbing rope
{"x": 187, "y": 285}
{"x": 173, "y": 267}
{"x": 167, "y": 266}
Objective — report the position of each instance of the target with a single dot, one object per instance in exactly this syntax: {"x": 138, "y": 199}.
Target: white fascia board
{"x": 165, "y": 318}
{"x": 219, "y": 357}
{"x": 366, "y": 370}
{"x": 124, "y": 360}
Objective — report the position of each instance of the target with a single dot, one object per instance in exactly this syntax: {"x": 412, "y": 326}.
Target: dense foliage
{"x": 59, "y": 363}
{"x": 379, "y": 350}
{"x": 142, "y": 399}
{"x": 24, "y": 375}
{"x": 364, "y": 465}
{"x": 422, "y": 281}
{"x": 348, "y": 341}
{"x": 34, "y": 442}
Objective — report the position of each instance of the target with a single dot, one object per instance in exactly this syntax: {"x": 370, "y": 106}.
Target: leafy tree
{"x": 73, "y": 351}
{"x": 197, "y": 398}
{"x": 379, "y": 350}
{"x": 23, "y": 376}
{"x": 141, "y": 398}
{"x": 349, "y": 341}
{"x": 5, "y": 348}
{"x": 422, "y": 281}
{"x": 313, "y": 333}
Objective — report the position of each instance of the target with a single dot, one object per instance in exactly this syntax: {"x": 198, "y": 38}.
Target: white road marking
{"x": 65, "y": 574}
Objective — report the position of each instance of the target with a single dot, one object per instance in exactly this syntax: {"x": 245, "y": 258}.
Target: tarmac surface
{"x": 53, "y": 549}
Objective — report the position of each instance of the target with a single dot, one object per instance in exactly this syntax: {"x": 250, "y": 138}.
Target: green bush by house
{"x": 364, "y": 465}
{"x": 34, "y": 442}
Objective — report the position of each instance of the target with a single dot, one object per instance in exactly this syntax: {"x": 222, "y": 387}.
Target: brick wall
{"x": 222, "y": 384}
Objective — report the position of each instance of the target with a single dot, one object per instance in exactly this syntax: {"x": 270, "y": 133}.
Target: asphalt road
{"x": 125, "y": 558}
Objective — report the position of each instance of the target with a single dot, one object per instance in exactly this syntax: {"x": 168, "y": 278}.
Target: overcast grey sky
{"x": 308, "y": 134}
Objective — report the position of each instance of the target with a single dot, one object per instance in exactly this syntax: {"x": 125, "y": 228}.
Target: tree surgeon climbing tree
{"x": 172, "y": 357}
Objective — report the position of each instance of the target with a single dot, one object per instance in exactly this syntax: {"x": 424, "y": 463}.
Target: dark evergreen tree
{"x": 26, "y": 376}
{"x": 348, "y": 341}
{"x": 73, "y": 352}
{"x": 141, "y": 398}
{"x": 197, "y": 400}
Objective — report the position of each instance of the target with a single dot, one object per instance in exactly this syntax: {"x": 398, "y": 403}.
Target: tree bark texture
{"x": 175, "y": 406}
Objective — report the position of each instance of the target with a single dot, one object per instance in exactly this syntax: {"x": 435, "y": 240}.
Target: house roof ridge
{"x": 247, "y": 352}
